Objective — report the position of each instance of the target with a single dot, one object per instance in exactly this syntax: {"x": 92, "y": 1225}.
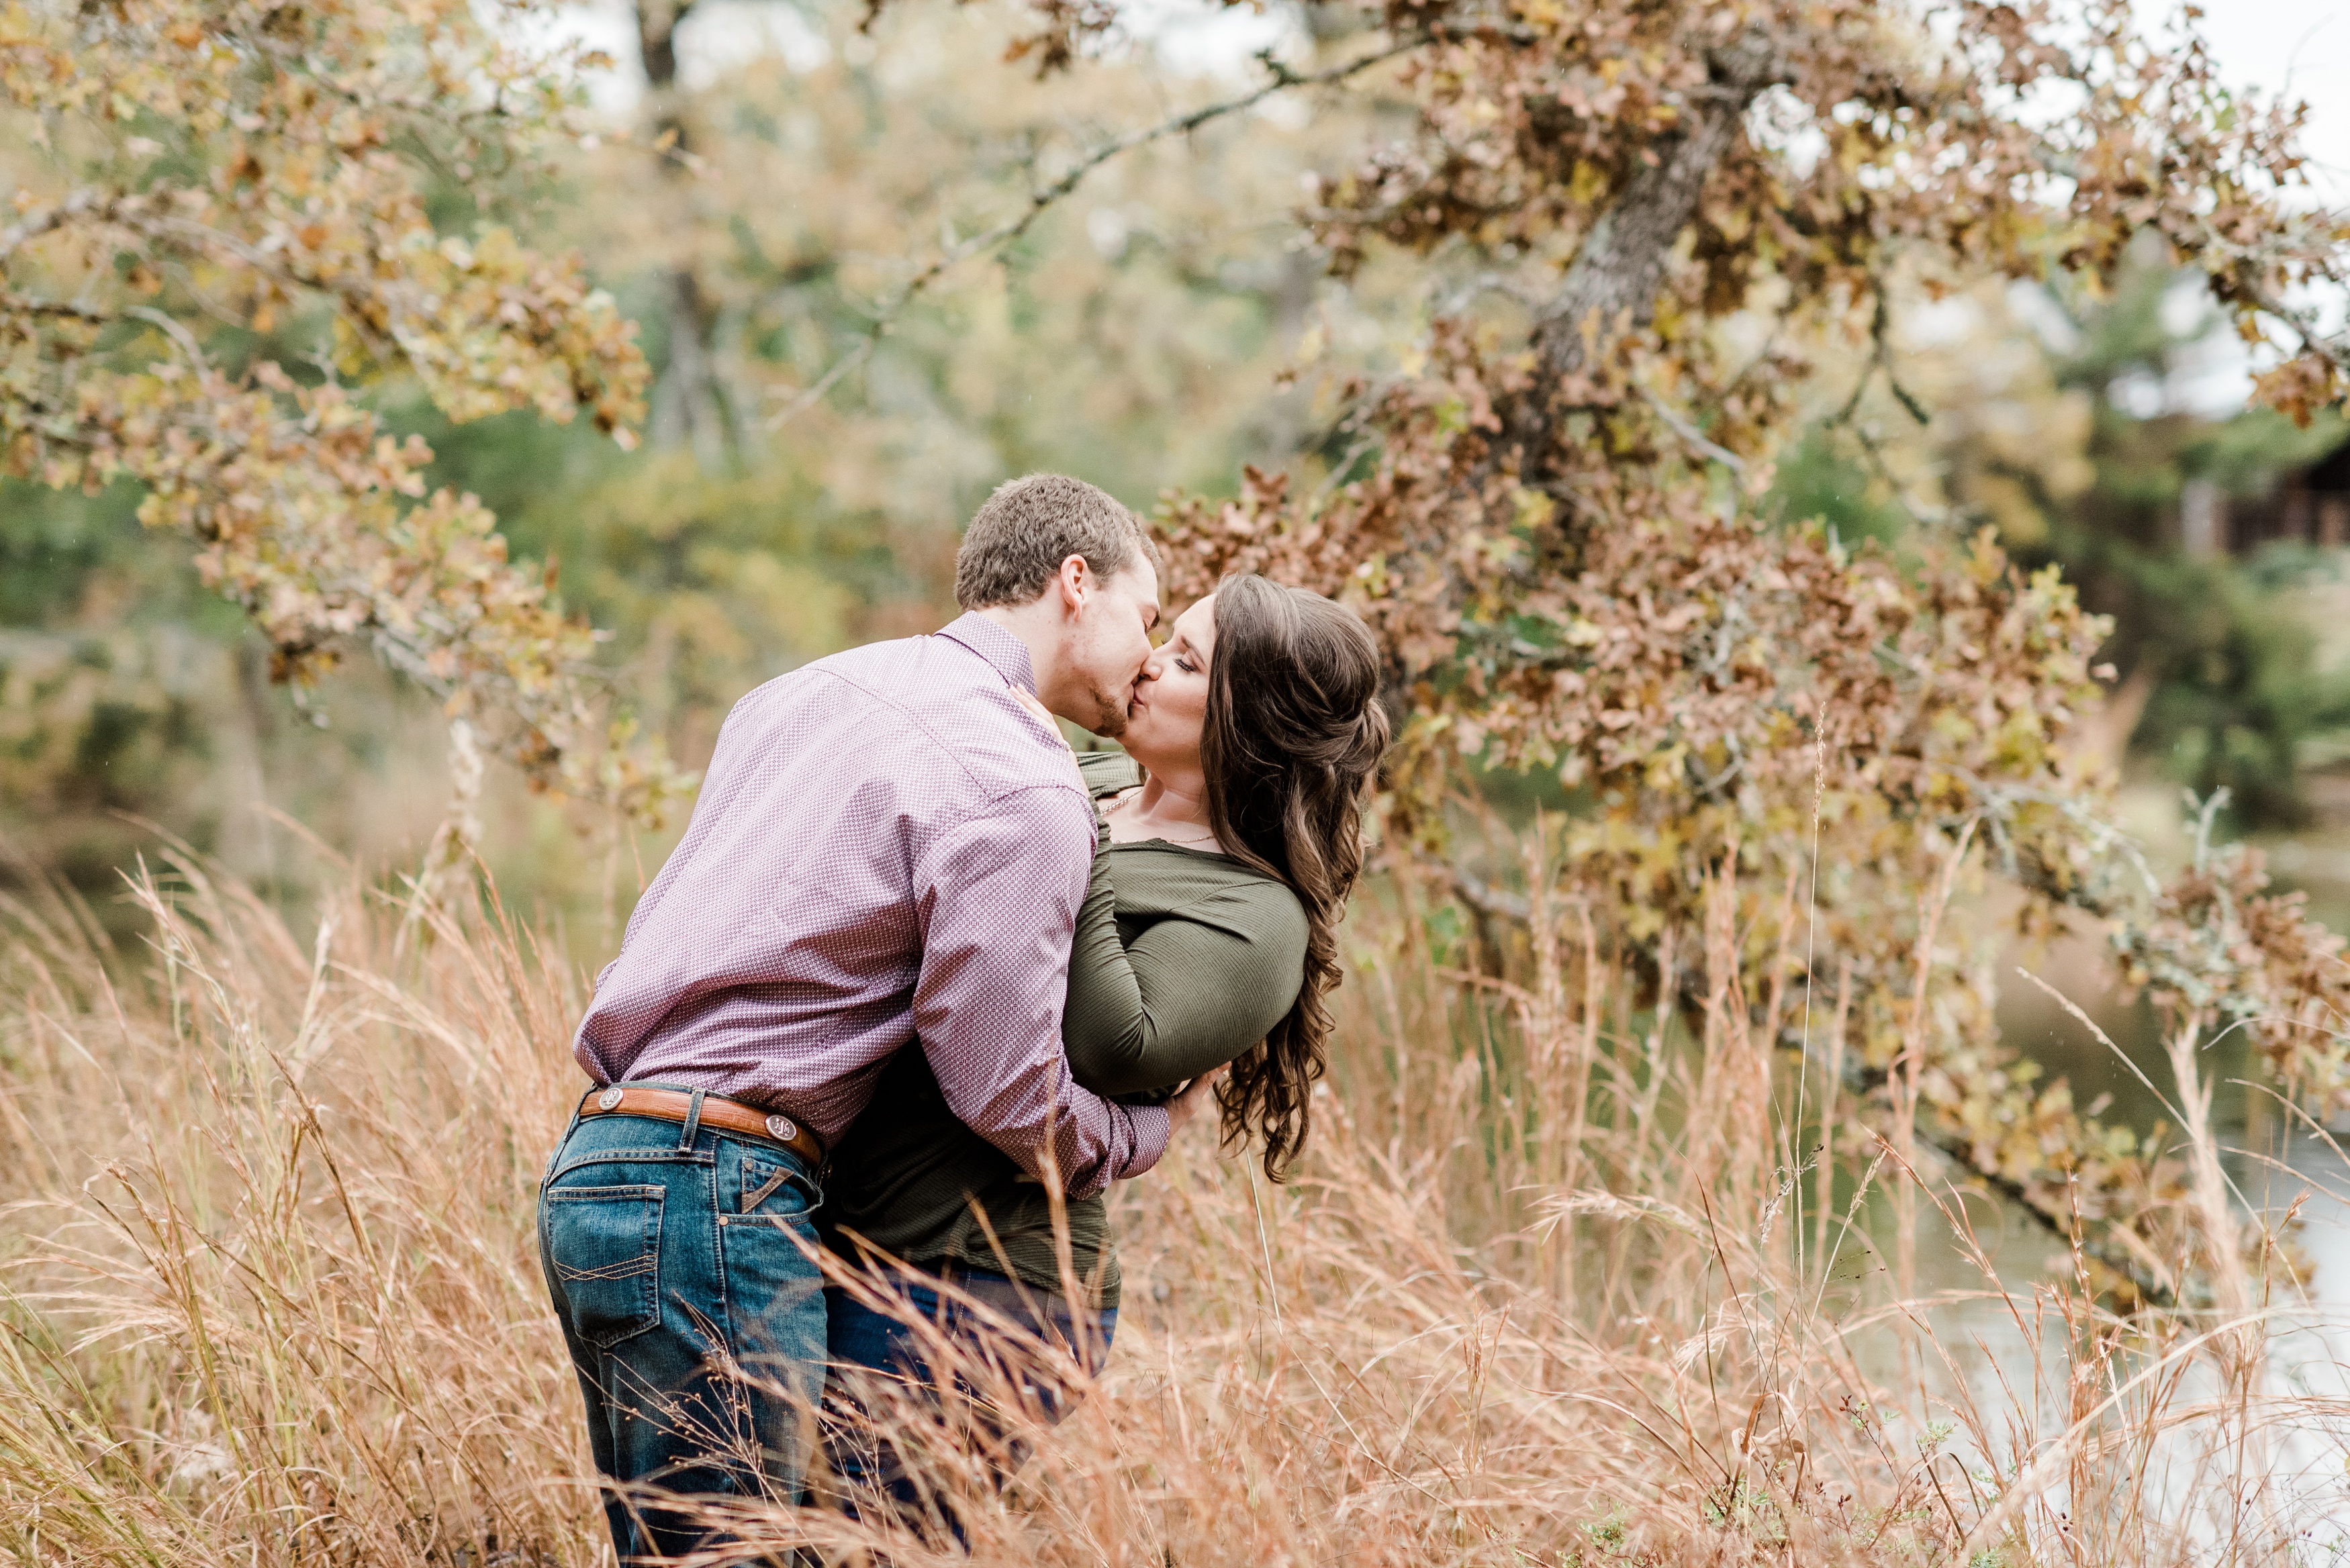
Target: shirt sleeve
{"x": 1198, "y": 988}
{"x": 997, "y": 899}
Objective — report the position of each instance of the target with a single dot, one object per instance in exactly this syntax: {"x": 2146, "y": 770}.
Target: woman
{"x": 1207, "y": 937}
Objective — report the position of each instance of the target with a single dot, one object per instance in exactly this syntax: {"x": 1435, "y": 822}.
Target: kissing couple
{"x": 918, "y": 984}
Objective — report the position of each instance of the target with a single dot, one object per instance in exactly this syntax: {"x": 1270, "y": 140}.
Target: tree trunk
{"x": 690, "y": 404}
{"x": 657, "y": 23}
{"x": 1614, "y": 281}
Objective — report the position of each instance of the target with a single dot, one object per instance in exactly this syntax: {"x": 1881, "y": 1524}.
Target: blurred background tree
{"x": 1134, "y": 334}
{"x": 206, "y": 195}
{"x": 2080, "y": 425}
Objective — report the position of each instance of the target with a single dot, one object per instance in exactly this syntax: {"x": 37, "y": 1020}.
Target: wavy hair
{"x": 1290, "y": 747}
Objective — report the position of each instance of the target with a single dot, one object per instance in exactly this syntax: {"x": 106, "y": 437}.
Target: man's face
{"x": 1109, "y": 638}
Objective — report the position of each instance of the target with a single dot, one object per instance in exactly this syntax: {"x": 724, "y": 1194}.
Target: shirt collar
{"x": 1005, "y": 654}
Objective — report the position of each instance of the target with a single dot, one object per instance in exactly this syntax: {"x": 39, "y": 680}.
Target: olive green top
{"x": 1182, "y": 959}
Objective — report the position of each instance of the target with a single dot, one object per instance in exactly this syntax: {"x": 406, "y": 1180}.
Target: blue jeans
{"x": 681, "y": 1263}
{"x": 870, "y": 1348}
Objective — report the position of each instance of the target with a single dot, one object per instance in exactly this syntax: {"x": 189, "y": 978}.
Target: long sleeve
{"x": 1197, "y": 987}
{"x": 997, "y": 899}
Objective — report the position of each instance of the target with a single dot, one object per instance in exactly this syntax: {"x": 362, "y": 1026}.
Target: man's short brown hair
{"x": 1016, "y": 542}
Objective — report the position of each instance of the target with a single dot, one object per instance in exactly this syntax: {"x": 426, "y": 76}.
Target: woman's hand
{"x": 1200, "y": 1093}
{"x": 1030, "y": 701}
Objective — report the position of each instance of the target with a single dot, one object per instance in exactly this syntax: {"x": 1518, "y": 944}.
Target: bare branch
{"x": 90, "y": 201}
{"x": 1696, "y": 438}
{"x": 1487, "y": 899}
{"x": 12, "y": 302}
{"x": 176, "y": 332}
{"x": 1283, "y": 79}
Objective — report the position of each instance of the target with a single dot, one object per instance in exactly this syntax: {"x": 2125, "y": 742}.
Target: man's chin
{"x": 1109, "y": 718}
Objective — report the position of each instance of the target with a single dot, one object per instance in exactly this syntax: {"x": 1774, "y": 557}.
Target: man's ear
{"x": 1075, "y": 584}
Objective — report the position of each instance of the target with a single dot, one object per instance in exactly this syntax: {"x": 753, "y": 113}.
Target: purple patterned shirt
{"x": 888, "y": 847}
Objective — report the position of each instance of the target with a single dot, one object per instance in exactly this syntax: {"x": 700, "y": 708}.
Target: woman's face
{"x": 1170, "y": 698}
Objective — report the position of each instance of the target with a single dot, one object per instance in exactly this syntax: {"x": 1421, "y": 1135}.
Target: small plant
{"x": 1608, "y": 1531}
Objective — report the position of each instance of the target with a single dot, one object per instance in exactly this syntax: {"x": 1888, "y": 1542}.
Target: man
{"x": 891, "y": 847}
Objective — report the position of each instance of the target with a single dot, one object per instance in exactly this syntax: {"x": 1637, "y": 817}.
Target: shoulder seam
{"x": 907, "y": 717}
{"x": 914, "y": 721}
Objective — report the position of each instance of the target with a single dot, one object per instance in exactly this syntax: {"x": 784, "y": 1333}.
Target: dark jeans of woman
{"x": 866, "y": 1467}
{"x": 680, "y": 1261}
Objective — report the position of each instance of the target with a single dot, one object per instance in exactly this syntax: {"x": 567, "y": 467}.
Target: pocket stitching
{"x": 645, "y": 1265}
{"x": 671, "y": 1155}
{"x": 629, "y": 1271}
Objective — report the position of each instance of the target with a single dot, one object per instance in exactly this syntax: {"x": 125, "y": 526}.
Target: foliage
{"x": 1129, "y": 330}
{"x": 2234, "y": 696}
{"x": 203, "y": 176}
{"x": 2055, "y": 418}
{"x": 1680, "y": 211}
{"x": 1133, "y": 334}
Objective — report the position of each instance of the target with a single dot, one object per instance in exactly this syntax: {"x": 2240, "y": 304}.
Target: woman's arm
{"x": 1197, "y": 989}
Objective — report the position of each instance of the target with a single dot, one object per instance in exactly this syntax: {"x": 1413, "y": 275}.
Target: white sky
{"x": 2297, "y": 46}
{"x": 1194, "y": 36}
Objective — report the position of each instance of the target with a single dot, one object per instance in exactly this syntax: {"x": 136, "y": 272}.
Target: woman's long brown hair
{"x": 1290, "y": 747}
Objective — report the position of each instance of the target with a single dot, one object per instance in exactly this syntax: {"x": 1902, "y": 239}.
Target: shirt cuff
{"x": 1151, "y": 1127}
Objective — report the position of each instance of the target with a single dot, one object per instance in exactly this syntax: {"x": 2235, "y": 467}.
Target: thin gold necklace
{"x": 1208, "y": 838}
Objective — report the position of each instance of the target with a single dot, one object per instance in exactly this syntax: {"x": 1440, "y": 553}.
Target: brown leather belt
{"x": 717, "y": 1111}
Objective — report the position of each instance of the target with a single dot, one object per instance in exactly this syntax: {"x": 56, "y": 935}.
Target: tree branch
{"x": 1487, "y": 899}
{"x": 1618, "y": 272}
{"x": 177, "y": 333}
{"x": 13, "y": 303}
{"x": 1697, "y": 438}
{"x": 1039, "y": 201}
{"x": 91, "y": 201}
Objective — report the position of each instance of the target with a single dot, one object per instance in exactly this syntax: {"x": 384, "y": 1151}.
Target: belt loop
{"x": 569, "y": 1128}
{"x": 692, "y": 1122}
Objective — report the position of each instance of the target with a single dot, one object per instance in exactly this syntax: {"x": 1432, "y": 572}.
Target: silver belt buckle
{"x": 608, "y": 1099}
{"x": 781, "y": 1129}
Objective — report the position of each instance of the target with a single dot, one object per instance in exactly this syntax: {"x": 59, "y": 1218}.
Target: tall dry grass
{"x": 1560, "y": 1283}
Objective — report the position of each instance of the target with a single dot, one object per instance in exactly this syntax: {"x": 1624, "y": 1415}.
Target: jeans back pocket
{"x": 604, "y": 1243}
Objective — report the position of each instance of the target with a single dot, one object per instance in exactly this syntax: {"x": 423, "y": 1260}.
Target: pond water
{"x": 2302, "y": 1457}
